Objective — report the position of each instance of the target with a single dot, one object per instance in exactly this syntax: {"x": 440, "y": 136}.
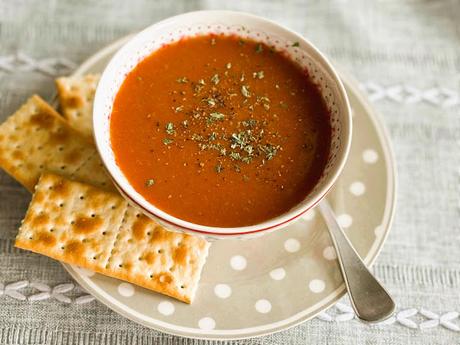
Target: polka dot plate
{"x": 265, "y": 285}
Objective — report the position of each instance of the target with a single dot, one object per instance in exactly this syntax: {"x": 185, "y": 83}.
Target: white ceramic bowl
{"x": 246, "y": 26}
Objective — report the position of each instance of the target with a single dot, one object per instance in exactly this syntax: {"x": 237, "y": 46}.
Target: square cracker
{"x": 93, "y": 172}
{"x": 72, "y": 222}
{"x": 148, "y": 255}
{"x": 35, "y": 139}
{"x": 82, "y": 225}
{"x": 76, "y": 96}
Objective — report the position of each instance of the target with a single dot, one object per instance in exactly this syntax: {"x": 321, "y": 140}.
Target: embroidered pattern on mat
{"x": 412, "y": 318}
{"x": 44, "y": 292}
{"x": 49, "y": 66}
{"x": 439, "y": 96}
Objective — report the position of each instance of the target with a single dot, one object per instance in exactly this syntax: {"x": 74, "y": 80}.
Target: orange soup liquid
{"x": 219, "y": 131}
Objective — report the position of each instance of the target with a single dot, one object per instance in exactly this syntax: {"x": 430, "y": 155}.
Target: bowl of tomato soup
{"x": 221, "y": 123}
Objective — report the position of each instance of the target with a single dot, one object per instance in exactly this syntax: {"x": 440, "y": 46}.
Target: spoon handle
{"x": 370, "y": 301}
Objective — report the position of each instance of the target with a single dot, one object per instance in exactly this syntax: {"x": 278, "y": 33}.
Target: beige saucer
{"x": 265, "y": 285}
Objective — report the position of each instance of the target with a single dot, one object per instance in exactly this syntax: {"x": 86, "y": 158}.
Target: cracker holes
{"x": 151, "y": 275}
{"x": 51, "y": 230}
{"x": 81, "y": 197}
{"x": 113, "y": 207}
{"x": 93, "y": 215}
{"x": 138, "y": 215}
{"x": 72, "y": 222}
{"x": 160, "y": 251}
{"x": 60, "y": 148}
{"x": 61, "y": 204}
{"x": 63, "y": 167}
{"x": 104, "y": 233}
{"x": 120, "y": 265}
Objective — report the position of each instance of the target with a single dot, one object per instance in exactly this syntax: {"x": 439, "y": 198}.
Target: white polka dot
{"x": 84, "y": 271}
{"x": 126, "y": 289}
{"x": 317, "y": 285}
{"x": 345, "y": 220}
{"x": 166, "y": 308}
{"x": 292, "y": 245}
{"x": 370, "y": 156}
{"x": 357, "y": 188}
{"x": 309, "y": 215}
{"x": 222, "y": 290}
{"x": 238, "y": 262}
{"x": 329, "y": 253}
{"x": 278, "y": 274}
{"x": 263, "y": 306}
{"x": 207, "y": 323}
{"x": 378, "y": 231}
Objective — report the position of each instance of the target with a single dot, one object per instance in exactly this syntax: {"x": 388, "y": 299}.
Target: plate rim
{"x": 351, "y": 85}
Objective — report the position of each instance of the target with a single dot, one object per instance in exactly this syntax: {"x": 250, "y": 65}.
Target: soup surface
{"x": 220, "y": 131}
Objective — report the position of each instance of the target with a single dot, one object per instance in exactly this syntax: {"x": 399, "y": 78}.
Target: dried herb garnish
{"x": 216, "y": 116}
{"x": 219, "y": 168}
{"x": 269, "y": 150}
{"x": 215, "y": 79}
{"x": 251, "y": 123}
{"x": 170, "y": 128}
{"x": 150, "y": 182}
{"x": 245, "y": 91}
{"x": 296, "y": 44}
{"x": 179, "y": 109}
{"x": 247, "y": 140}
{"x": 182, "y": 80}
{"x": 258, "y": 75}
{"x": 211, "y": 101}
{"x": 168, "y": 141}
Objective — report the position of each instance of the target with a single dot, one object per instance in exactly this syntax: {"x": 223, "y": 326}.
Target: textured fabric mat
{"x": 406, "y": 55}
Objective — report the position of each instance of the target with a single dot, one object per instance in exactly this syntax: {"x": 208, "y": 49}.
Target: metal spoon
{"x": 369, "y": 299}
